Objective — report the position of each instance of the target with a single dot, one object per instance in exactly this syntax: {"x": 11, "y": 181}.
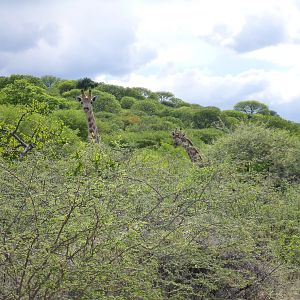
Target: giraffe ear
{"x": 79, "y": 98}
{"x": 94, "y": 98}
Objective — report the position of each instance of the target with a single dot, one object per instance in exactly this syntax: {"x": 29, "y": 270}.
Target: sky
{"x": 214, "y": 53}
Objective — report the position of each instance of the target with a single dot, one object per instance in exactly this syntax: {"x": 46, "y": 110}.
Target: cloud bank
{"x": 211, "y": 53}
{"x": 71, "y": 39}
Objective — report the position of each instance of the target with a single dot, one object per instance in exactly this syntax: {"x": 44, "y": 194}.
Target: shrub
{"x": 127, "y": 102}
{"x": 262, "y": 149}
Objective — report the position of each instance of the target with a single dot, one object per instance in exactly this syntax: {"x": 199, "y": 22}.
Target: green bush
{"x": 29, "y": 78}
{"x": 132, "y": 217}
{"x": 257, "y": 148}
{"x": 154, "y": 123}
{"x": 72, "y": 93}
{"x": 127, "y": 102}
{"x": 21, "y": 127}
{"x": 100, "y": 226}
{"x": 138, "y": 139}
{"x": 206, "y": 135}
{"x": 23, "y": 92}
{"x": 74, "y": 119}
{"x": 65, "y": 85}
{"x": 206, "y": 117}
{"x": 185, "y": 114}
{"x": 149, "y": 107}
{"x": 106, "y": 102}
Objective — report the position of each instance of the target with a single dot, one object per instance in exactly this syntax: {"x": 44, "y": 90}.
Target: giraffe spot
{"x": 89, "y": 119}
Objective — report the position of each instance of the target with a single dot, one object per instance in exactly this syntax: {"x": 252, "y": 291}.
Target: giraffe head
{"x": 178, "y": 137}
{"x": 86, "y": 100}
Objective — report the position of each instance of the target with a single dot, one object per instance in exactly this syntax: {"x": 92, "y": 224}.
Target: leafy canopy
{"x": 252, "y": 107}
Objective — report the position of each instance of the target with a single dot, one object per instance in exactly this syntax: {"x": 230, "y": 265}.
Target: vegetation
{"x": 132, "y": 217}
{"x": 252, "y": 107}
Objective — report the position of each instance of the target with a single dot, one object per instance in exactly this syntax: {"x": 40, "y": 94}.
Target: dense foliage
{"x": 132, "y": 217}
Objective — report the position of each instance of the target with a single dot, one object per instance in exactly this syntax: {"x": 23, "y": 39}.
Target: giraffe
{"x": 180, "y": 138}
{"x": 86, "y": 102}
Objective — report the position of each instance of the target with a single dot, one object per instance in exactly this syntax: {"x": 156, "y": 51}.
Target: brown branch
{"x": 19, "y": 123}
{"x": 27, "y": 146}
{"x": 22, "y": 143}
{"x": 258, "y": 281}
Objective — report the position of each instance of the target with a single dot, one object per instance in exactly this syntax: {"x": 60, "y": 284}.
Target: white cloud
{"x": 277, "y": 89}
{"x": 258, "y": 32}
{"x": 285, "y": 55}
{"x": 211, "y": 52}
{"x": 72, "y": 39}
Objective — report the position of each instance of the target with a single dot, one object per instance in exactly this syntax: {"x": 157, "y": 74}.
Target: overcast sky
{"x": 212, "y": 52}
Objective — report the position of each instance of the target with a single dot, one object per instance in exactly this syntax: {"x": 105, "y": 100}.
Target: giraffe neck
{"x": 92, "y": 127}
{"x": 192, "y": 152}
{"x": 186, "y": 143}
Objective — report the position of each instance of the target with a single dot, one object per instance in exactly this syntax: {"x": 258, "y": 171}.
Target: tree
{"x": 140, "y": 93}
{"x": 274, "y": 113}
{"x": 106, "y": 102}
{"x": 127, "y": 102}
{"x": 86, "y": 83}
{"x": 252, "y": 107}
{"x": 276, "y": 122}
{"x": 185, "y": 114}
{"x": 148, "y": 106}
{"x": 234, "y": 114}
{"x": 31, "y": 128}
{"x": 23, "y": 92}
{"x": 129, "y": 119}
{"x": 49, "y": 80}
{"x": 71, "y": 93}
{"x": 115, "y": 90}
{"x": 3, "y": 81}
{"x": 260, "y": 149}
{"x": 146, "y": 227}
{"x": 164, "y": 96}
{"x": 206, "y": 117}
{"x": 66, "y": 85}
{"x": 74, "y": 119}
{"x": 29, "y": 78}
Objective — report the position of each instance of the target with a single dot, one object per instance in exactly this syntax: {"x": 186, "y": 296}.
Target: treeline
{"x": 130, "y": 117}
{"x": 133, "y": 217}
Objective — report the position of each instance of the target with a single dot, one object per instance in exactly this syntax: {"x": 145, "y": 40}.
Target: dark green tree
{"x": 106, "y": 102}
{"x": 148, "y": 106}
{"x": 127, "y": 102}
{"x": 29, "y": 78}
{"x": 115, "y": 90}
{"x": 23, "y": 92}
{"x": 274, "y": 113}
{"x": 164, "y": 96}
{"x": 49, "y": 80}
{"x": 140, "y": 93}
{"x": 252, "y": 107}
{"x": 257, "y": 148}
{"x": 66, "y": 85}
{"x": 206, "y": 117}
{"x": 86, "y": 83}
{"x": 185, "y": 114}
{"x": 26, "y": 129}
{"x": 74, "y": 119}
{"x": 71, "y": 93}
{"x": 174, "y": 102}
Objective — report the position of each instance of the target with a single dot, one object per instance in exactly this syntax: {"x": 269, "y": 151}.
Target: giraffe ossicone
{"x": 86, "y": 101}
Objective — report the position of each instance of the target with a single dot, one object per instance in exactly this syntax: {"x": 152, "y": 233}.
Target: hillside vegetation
{"x": 133, "y": 217}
